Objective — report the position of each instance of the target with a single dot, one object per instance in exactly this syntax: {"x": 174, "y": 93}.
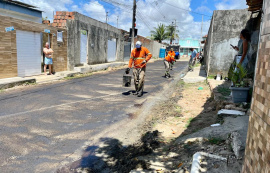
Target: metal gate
{"x": 111, "y": 50}
{"x": 83, "y": 47}
{"x": 28, "y": 53}
{"x": 127, "y": 51}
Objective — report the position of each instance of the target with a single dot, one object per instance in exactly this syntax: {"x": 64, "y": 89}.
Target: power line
{"x": 186, "y": 9}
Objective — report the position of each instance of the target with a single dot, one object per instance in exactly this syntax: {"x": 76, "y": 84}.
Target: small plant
{"x": 237, "y": 76}
{"x": 224, "y": 91}
{"x": 211, "y": 77}
{"x": 189, "y": 121}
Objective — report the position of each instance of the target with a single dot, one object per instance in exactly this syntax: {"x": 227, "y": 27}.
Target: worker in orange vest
{"x": 168, "y": 62}
{"x": 139, "y": 56}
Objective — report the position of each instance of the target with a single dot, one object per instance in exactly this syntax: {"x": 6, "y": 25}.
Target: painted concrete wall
{"x": 98, "y": 35}
{"x": 224, "y": 30}
{"x": 189, "y": 42}
{"x": 151, "y": 45}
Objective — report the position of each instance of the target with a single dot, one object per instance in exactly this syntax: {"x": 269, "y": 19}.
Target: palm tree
{"x": 172, "y": 32}
{"x": 159, "y": 33}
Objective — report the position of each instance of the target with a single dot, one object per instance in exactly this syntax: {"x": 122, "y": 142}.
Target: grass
{"x": 2, "y": 90}
{"x": 197, "y": 65}
{"x": 178, "y": 109}
{"x": 189, "y": 121}
{"x": 211, "y": 77}
{"x": 224, "y": 91}
{"x": 78, "y": 76}
{"x": 30, "y": 83}
{"x": 215, "y": 140}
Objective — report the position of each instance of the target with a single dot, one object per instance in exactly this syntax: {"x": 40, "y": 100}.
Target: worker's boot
{"x": 140, "y": 93}
{"x": 136, "y": 93}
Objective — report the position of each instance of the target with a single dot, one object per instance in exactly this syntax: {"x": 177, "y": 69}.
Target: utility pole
{"x": 107, "y": 17}
{"x": 175, "y": 29}
{"x": 201, "y": 32}
{"x": 117, "y": 21}
{"x": 133, "y": 24}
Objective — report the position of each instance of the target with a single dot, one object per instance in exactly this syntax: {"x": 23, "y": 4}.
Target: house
{"x": 188, "y": 43}
{"x": 89, "y": 41}
{"x": 22, "y": 38}
{"x": 20, "y": 10}
{"x": 224, "y": 31}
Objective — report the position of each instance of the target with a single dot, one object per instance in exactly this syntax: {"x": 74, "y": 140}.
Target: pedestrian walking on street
{"x": 138, "y": 58}
{"x": 168, "y": 62}
{"x": 48, "y": 58}
{"x": 192, "y": 58}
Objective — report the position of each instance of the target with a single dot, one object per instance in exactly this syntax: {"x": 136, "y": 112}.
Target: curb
{"x": 16, "y": 82}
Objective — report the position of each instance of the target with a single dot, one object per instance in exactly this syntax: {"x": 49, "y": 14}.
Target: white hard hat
{"x": 138, "y": 44}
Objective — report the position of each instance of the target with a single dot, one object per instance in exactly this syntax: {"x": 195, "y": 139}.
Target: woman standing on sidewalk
{"x": 48, "y": 58}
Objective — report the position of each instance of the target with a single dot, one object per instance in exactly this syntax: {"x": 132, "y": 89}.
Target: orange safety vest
{"x": 138, "y": 57}
{"x": 170, "y": 56}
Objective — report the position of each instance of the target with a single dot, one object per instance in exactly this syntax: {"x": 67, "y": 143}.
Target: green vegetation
{"x": 163, "y": 32}
{"x": 237, "y": 76}
{"x": 211, "y": 77}
{"x": 215, "y": 140}
{"x": 224, "y": 91}
{"x": 197, "y": 65}
{"x": 159, "y": 33}
{"x": 189, "y": 121}
{"x": 178, "y": 109}
{"x": 78, "y": 76}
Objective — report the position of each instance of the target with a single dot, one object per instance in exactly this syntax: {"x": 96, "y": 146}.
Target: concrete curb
{"x": 11, "y": 82}
{"x": 98, "y": 67}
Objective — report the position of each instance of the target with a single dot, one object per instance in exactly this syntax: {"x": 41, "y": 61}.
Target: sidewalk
{"x": 15, "y": 81}
{"x": 197, "y": 75}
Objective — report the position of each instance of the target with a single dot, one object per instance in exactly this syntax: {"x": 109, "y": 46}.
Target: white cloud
{"x": 203, "y": 9}
{"x": 150, "y": 13}
{"x": 49, "y": 6}
{"x": 231, "y": 4}
{"x": 95, "y": 10}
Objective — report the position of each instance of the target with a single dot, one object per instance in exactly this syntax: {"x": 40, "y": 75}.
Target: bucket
{"x": 126, "y": 80}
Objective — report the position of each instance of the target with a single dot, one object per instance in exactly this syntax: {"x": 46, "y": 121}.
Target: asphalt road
{"x": 42, "y": 126}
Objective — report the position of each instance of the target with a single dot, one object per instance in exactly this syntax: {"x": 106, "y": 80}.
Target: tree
{"x": 159, "y": 33}
{"x": 171, "y": 32}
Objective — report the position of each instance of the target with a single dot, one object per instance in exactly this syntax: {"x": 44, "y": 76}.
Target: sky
{"x": 150, "y": 13}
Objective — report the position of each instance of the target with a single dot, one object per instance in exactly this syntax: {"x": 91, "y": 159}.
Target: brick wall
{"x": 257, "y": 154}
{"x": 61, "y": 17}
{"x": 8, "y": 49}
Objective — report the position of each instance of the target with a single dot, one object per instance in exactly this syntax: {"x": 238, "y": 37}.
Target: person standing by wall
{"x": 192, "y": 58}
{"x": 48, "y": 58}
{"x": 243, "y": 49}
{"x": 139, "y": 57}
{"x": 168, "y": 62}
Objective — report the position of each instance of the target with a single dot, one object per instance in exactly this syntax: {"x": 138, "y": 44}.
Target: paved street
{"x": 41, "y": 127}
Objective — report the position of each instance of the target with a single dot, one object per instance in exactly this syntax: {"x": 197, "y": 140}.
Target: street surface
{"x": 44, "y": 126}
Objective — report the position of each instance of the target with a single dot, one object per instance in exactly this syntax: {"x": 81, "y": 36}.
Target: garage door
{"x": 111, "y": 50}
{"x": 28, "y": 53}
{"x": 83, "y": 50}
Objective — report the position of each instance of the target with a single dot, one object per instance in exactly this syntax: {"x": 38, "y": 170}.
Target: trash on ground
{"x": 215, "y": 125}
{"x": 200, "y": 88}
{"x": 173, "y": 132}
{"x": 180, "y": 164}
